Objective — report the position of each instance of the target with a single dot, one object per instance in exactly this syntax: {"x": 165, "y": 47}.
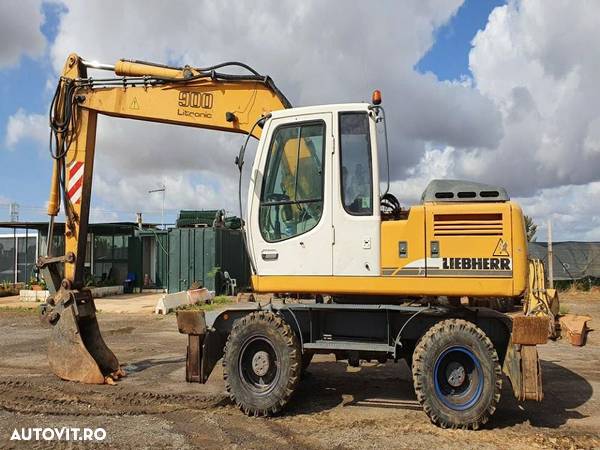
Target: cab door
{"x": 290, "y": 209}
{"x": 356, "y": 216}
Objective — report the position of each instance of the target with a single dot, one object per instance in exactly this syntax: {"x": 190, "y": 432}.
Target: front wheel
{"x": 457, "y": 375}
{"x": 262, "y": 362}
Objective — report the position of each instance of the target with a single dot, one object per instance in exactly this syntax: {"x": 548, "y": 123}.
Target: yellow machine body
{"x": 481, "y": 251}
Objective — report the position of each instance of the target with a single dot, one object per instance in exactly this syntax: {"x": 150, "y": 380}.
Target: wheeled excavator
{"x": 316, "y": 222}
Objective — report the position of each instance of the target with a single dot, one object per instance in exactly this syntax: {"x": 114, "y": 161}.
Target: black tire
{"x": 457, "y": 375}
{"x": 262, "y": 362}
{"x": 306, "y": 359}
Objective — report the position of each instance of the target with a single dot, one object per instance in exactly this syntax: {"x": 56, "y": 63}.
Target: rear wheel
{"x": 457, "y": 375}
{"x": 261, "y": 363}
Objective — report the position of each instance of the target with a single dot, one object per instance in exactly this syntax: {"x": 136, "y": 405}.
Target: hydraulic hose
{"x": 239, "y": 162}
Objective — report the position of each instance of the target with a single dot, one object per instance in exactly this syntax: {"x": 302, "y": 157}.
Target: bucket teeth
{"x": 116, "y": 376}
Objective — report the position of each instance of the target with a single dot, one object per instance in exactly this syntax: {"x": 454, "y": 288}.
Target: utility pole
{"x": 138, "y": 220}
{"x": 14, "y": 212}
{"x": 550, "y": 257}
{"x": 163, "y": 189}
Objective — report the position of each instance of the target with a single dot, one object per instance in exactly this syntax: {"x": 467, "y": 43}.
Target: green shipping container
{"x": 202, "y": 255}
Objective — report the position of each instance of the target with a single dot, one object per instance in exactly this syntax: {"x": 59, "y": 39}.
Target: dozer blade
{"x": 76, "y": 350}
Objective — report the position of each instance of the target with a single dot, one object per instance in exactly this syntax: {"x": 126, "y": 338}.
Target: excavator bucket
{"x": 541, "y": 301}
{"x": 77, "y": 351}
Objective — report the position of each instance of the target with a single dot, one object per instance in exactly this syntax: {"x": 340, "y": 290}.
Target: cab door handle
{"x": 269, "y": 255}
{"x": 403, "y": 249}
{"x": 435, "y": 249}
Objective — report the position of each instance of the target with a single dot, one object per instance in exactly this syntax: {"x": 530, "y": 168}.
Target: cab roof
{"x": 319, "y": 109}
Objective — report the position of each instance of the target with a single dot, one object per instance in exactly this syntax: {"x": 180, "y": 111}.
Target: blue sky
{"x": 25, "y": 87}
{"x": 448, "y": 59}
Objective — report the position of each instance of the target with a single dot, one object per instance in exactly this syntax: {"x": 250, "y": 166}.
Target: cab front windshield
{"x": 292, "y": 194}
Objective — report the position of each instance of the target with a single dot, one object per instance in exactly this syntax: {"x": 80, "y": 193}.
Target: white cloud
{"x": 99, "y": 215}
{"x": 20, "y": 33}
{"x": 435, "y": 163}
{"x": 572, "y": 209}
{"x": 527, "y": 119}
{"x": 591, "y": 144}
{"x": 313, "y": 57}
{"x": 540, "y": 66}
{"x": 21, "y": 126}
{"x": 183, "y": 191}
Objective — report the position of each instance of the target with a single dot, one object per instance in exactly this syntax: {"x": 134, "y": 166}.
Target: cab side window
{"x": 292, "y": 193}
{"x": 355, "y": 158}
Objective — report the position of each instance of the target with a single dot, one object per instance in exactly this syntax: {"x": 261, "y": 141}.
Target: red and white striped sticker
{"x": 75, "y": 183}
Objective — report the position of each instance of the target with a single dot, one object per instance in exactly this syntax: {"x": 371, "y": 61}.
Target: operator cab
{"x": 314, "y": 193}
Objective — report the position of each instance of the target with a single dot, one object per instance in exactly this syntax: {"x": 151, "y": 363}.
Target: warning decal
{"x": 134, "y": 104}
{"x": 501, "y": 248}
{"x": 75, "y": 183}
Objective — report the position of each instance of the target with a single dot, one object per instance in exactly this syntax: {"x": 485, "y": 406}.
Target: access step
{"x": 349, "y": 345}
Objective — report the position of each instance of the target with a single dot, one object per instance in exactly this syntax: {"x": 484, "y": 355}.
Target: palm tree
{"x": 530, "y": 229}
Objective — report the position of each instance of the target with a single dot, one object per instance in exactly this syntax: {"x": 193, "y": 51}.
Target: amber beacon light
{"x": 376, "y": 98}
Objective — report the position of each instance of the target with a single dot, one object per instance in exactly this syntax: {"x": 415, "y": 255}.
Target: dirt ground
{"x": 374, "y": 407}
{"x": 126, "y": 304}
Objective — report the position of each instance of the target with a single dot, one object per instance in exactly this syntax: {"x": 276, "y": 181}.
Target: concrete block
{"x": 29, "y": 295}
{"x": 169, "y": 302}
{"x": 202, "y": 295}
{"x": 106, "y": 291}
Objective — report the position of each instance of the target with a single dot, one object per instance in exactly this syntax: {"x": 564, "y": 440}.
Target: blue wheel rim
{"x": 453, "y": 365}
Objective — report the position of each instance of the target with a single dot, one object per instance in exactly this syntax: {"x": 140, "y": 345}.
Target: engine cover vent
{"x": 463, "y": 191}
{"x": 479, "y": 224}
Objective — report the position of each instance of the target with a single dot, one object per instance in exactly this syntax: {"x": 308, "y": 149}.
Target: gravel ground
{"x": 372, "y": 407}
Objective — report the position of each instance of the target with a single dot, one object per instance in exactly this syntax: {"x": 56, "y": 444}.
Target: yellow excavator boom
{"x": 187, "y": 96}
